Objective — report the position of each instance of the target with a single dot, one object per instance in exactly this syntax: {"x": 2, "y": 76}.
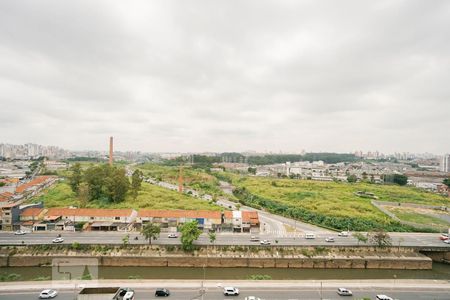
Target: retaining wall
{"x": 406, "y": 263}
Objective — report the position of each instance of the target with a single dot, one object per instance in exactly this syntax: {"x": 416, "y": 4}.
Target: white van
{"x": 310, "y": 236}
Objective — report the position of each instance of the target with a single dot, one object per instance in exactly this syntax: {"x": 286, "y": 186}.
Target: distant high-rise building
{"x": 445, "y": 163}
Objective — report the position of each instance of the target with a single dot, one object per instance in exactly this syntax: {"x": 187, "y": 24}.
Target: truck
{"x": 106, "y": 293}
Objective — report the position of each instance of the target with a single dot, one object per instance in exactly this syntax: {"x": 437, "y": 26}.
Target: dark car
{"x": 162, "y": 292}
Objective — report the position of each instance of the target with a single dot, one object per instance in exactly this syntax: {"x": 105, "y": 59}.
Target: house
{"x": 9, "y": 214}
{"x": 89, "y": 218}
{"x": 36, "y": 185}
{"x": 242, "y": 221}
{"x": 170, "y": 220}
{"x": 6, "y": 196}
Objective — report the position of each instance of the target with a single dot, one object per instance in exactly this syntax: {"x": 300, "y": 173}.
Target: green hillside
{"x": 150, "y": 196}
{"x": 196, "y": 179}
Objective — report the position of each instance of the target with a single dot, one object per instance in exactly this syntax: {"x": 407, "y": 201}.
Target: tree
{"x": 212, "y": 237}
{"x": 136, "y": 180}
{"x": 95, "y": 177}
{"x": 381, "y": 238}
{"x": 360, "y": 237}
{"x": 104, "y": 181}
{"x": 446, "y": 182}
{"x": 117, "y": 185}
{"x": 126, "y": 240}
{"x": 75, "y": 178}
{"x": 150, "y": 231}
{"x": 400, "y": 179}
{"x": 83, "y": 195}
{"x": 352, "y": 178}
{"x": 189, "y": 234}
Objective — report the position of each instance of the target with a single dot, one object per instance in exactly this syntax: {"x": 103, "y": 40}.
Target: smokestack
{"x": 111, "y": 151}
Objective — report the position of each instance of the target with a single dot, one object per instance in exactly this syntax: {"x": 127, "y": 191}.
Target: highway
{"x": 273, "y": 291}
{"x": 424, "y": 240}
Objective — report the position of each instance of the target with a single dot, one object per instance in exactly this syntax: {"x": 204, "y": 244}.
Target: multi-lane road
{"x": 423, "y": 240}
{"x": 265, "y": 290}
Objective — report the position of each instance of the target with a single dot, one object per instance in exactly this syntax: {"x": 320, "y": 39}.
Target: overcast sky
{"x": 226, "y": 75}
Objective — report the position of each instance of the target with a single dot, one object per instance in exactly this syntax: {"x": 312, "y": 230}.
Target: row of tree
{"x": 99, "y": 182}
{"x": 390, "y": 178}
{"x": 189, "y": 234}
{"x": 300, "y": 213}
{"x": 204, "y": 161}
{"x": 330, "y": 158}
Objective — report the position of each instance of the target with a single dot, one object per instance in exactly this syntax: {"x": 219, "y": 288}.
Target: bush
{"x": 10, "y": 277}
{"x": 259, "y": 277}
{"x": 75, "y": 246}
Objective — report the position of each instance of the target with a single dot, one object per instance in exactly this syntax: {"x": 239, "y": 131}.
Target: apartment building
{"x": 445, "y": 163}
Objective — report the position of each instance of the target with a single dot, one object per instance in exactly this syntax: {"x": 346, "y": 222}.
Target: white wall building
{"x": 445, "y": 163}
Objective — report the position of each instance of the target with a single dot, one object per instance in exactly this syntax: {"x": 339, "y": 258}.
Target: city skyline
{"x": 166, "y": 76}
{"x": 33, "y": 149}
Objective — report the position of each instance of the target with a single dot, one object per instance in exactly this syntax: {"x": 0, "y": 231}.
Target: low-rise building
{"x": 91, "y": 218}
{"x": 36, "y": 185}
{"x": 170, "y": 220}
{"x": 9, "y": 215}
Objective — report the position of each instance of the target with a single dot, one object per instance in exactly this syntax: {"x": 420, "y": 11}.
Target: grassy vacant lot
{"x": 412, "y": 215}
{"x": 150, "y": 196}
{"x": 330, "y": 203}
{"x": 193, "y": 178}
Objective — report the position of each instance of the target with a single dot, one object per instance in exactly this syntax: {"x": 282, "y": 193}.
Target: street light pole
{"x": 321, "y": 291}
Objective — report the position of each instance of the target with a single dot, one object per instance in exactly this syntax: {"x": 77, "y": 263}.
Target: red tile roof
{"x": 5, "y": 196}
{"x": 89, "y": 212}
{"x": 250, "y": 216}
{"x": 10, "y": 205}
{"x": 206, "y": 214}
{"x": 31, "y": 212}
{"x": 247, "y": 216}
{"x": 35, "y": 182}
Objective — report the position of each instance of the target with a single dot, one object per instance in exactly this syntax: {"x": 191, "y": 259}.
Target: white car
{"x": 129, "y": 295}
{"x": 230, "y": 291}
{"x": 383, "y": 297}
{"x": 343, "y": 233}
{"x": 329, "y": 239}
{"x": 58, "y": 240}
{"x": 265, "y": 242}
{"x": 172, "y": 235}
{"x": 252, "y": 298}
{"x": 47, "y": 294}
{"x": 344, "y": 292}
{"x": 20, "y": 232}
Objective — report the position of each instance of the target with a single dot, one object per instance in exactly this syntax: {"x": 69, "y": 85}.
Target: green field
{"x": 150, "y": 197}
{"x": 409, "y": 215}
{"x": 196, "y": 179}
{"x": 332, "y": 204}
